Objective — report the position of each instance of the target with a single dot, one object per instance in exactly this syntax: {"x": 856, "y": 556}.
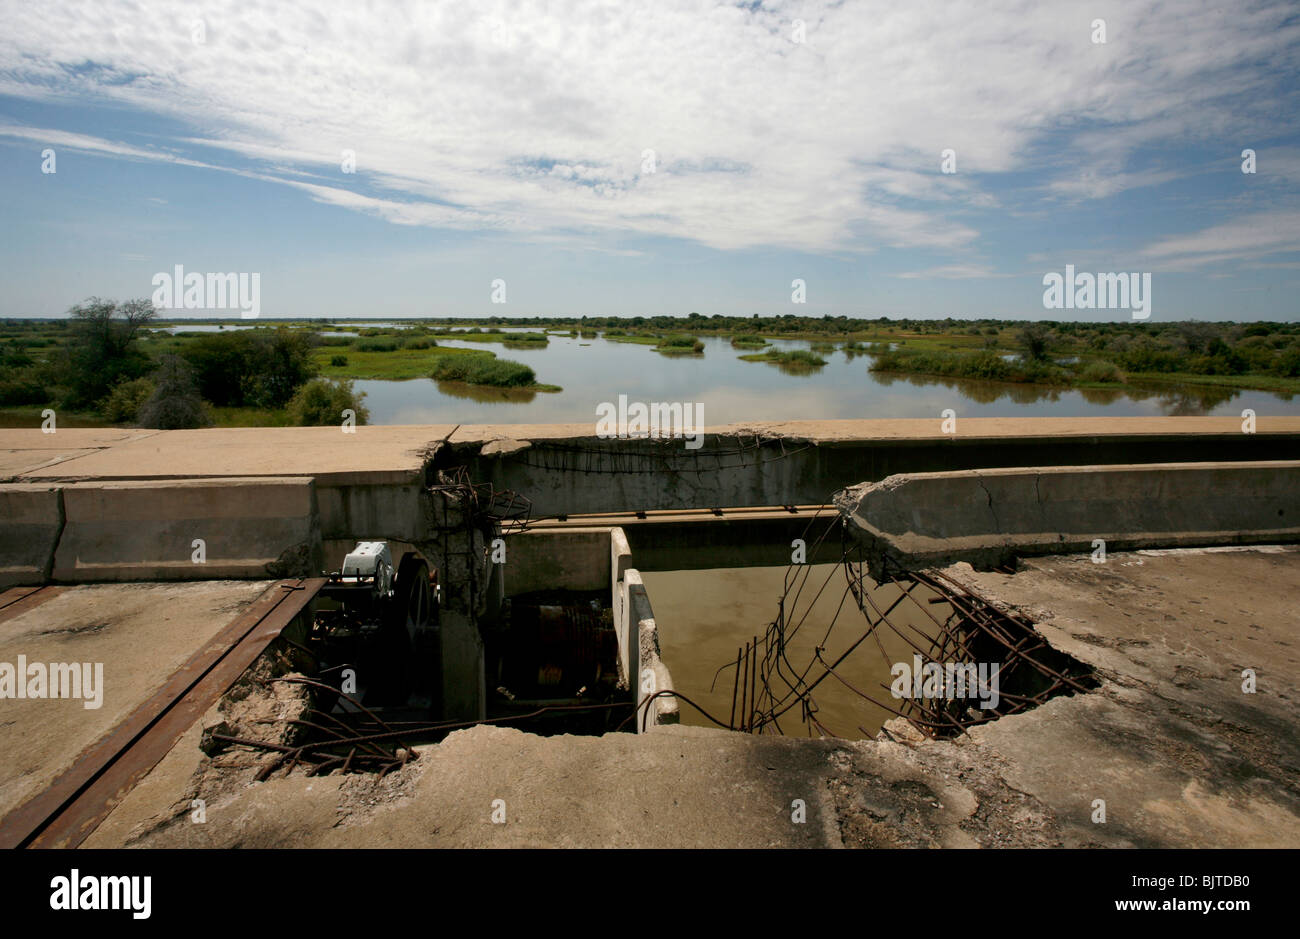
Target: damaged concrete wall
{"x": 988, "y": 518}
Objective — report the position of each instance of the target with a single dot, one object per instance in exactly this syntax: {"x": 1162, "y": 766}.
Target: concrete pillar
{"x": 464, "y": 683}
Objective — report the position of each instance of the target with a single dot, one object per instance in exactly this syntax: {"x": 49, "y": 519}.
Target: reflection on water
{"x": 703, "y": 617}
{"x": 733, "y": 391}
{"x": 459, "y": 389}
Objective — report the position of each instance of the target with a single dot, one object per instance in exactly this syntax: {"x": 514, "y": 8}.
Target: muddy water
{"x": 705, "y": 616}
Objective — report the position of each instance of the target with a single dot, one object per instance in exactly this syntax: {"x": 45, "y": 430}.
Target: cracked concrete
{"x": 1178, "y": 753}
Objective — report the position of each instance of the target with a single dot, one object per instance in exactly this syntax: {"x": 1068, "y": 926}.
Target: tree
{"x": 102, "y": 349}
{"x": 255, "y": 368}
{"x": 321, "y": 402}
{"x": 175, "y": 403}
{"x": 1034, "y": 337}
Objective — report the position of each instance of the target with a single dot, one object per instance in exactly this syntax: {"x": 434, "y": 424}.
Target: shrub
{"x": 23, "y": 388}
{"x": 175, "y": 403}
{"x": 321, "y": 403}
{"x": 1098, "y": 371}
{"x": 680, "y": 345}
{"x": 124, "y": 402}
{"x": 338, "y": 361}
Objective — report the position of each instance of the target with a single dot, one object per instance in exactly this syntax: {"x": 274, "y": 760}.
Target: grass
{"x": 984, "y": 365}
{"x": 488, "y": 370}
{"x": 249, "y": 417}
{"x": 794, "y": 361}
{"x": 748, "y": 341}
{"x": 530, "y": 339}
{"x": 31, "y": 417}
{"x": 987, "y": 365}
{"x": 680, "y": 345}
{"x": 398, "y": 365}
{"x": 619, "y": 336}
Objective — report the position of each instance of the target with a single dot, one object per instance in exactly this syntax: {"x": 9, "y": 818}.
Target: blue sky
{"x": 510, "y": 141}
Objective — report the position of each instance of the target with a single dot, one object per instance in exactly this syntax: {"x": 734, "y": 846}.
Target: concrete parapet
{"x": 647, "y": 671}
{"x": 988, "y": 517}
{"x": 31, "y": 519}
{"x": 147, "y": 530}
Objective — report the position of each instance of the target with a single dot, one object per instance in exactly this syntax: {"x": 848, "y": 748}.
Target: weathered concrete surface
{"x": 144, "y": 530}
{"x": 33, "y": 521}
{"x": 569, "y": 559}
{"x": 1180, "y": 755}
{"x": 374, "y": 454}
{"x": 989, "y": 517}
{"x": 1179, "y": 752}
{"x": 139, "y": 633}
{"x": 567, "y": 470}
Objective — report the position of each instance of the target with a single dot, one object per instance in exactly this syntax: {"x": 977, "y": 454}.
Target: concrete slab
{"x": 14, "y": 463}
{"x": 138, "y": 633}
{"x": 83, "y": 438}
{"x": 989, "y": 517}
{"x": 32, "y": 522}
{"x": 147, "y": 530}
{"x": 1179, "y": 750}
{"x": 375, "y": 454}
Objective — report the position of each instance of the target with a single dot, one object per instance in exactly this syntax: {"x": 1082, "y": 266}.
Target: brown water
{"x": 705, "y": 616}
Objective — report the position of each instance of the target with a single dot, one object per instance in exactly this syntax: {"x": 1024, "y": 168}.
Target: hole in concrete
{"x": 841, "y": 647}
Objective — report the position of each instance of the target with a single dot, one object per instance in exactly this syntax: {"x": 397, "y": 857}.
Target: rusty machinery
{"x": 375, "y": 634}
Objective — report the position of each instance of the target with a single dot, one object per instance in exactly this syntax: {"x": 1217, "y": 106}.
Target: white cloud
{"x": 952, "y": 272}
{"x": 1250, "y": 237}
{"x": 532, "y": 119}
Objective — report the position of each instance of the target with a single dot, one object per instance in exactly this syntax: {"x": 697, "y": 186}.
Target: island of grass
{"x": 484, "y": 368}
{"x": 622, "y": 335}
{"x": 519, "y": 340}
{"x": 680, "y": 345}
{"x": 749, "y": 341}
{"x": 794, "y": 361}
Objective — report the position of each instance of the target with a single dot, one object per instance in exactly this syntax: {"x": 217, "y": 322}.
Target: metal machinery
{"x": 375, "y": 634}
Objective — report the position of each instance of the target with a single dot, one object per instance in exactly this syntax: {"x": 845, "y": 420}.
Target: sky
{"x": 918, "y": 159}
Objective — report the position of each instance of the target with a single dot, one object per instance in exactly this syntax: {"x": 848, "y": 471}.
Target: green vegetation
{"x": 488, "y": 370}
{"x": 174, "y": 403}
{"x": 123, "y": 404}
{"x": 680, "y": 345}
{"x": 321, "y": 403}
{"x": 94, "y": 367}
{"x": 251, "y": 367}
{"x": 793, "y": 361}
{"x": 984, "y": 365}
{"x": 619, "y": 335}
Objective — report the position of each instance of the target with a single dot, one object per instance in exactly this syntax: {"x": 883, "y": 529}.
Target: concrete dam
{"x": 447, "y": 636}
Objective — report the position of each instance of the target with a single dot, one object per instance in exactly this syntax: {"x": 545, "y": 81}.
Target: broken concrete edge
{"x": 916, "y": 520}
{"x": 648, "y": 672}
